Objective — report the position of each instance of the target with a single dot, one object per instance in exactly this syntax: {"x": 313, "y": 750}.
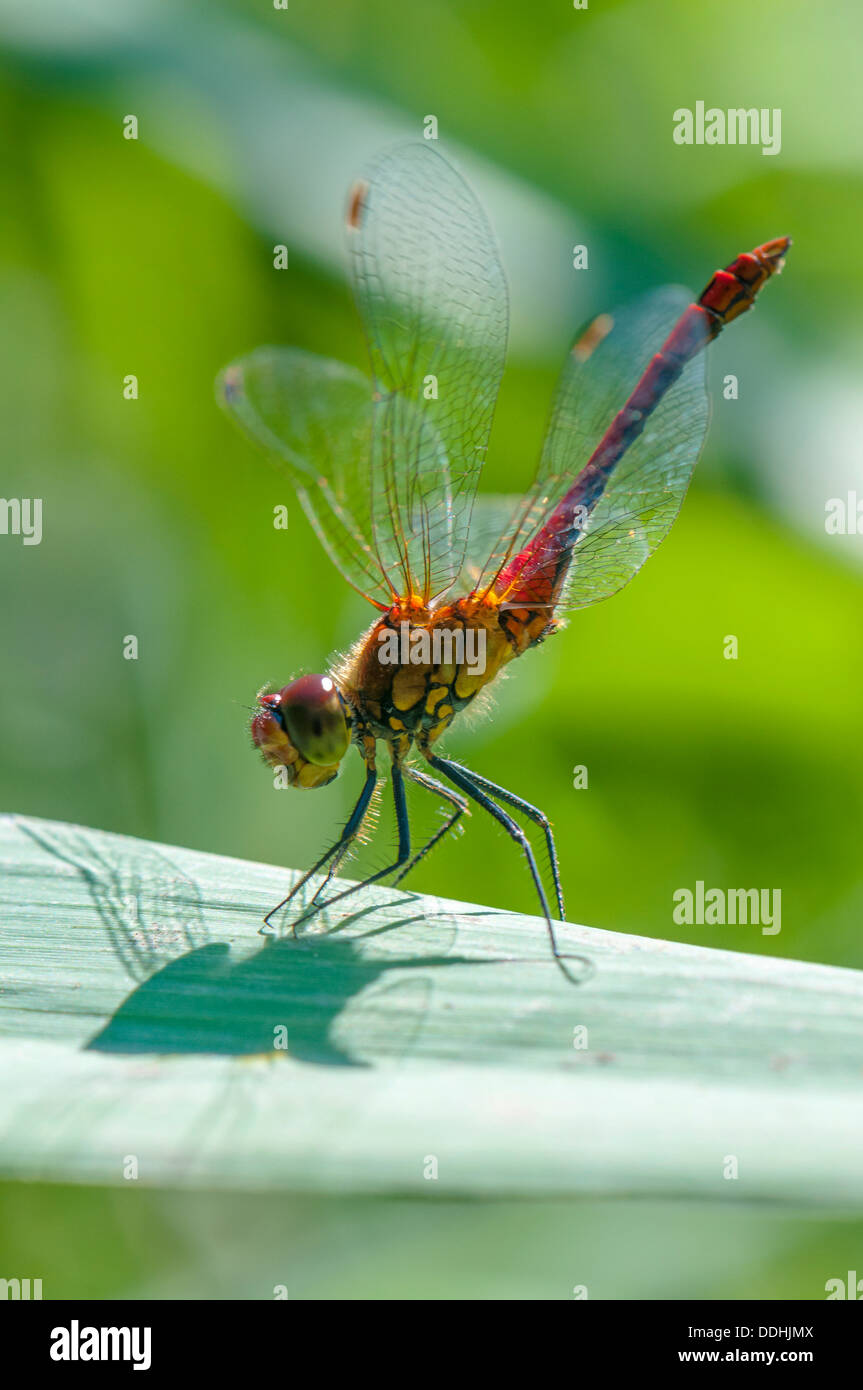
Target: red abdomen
{"x": 534, "y": 578}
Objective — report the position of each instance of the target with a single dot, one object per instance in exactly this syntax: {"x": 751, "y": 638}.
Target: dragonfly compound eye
{"x": 314, "y": 719}
{"x": 304, "y": 729}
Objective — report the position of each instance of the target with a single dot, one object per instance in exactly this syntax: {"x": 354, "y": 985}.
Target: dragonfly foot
{"x": 589, "y": 969}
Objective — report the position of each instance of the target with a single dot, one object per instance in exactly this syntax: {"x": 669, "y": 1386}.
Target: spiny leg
{"x": 431, "y": 784}
{"x": 463, "y": 779}
{"x": 404, "y": 851}
{"x": 538, "y": 817}
{"x": 338, "y": 850}
{"x": 332, "y": 870}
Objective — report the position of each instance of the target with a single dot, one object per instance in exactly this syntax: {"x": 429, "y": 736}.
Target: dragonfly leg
{"x": 464, "y": 780}
{"x": 539, "y": 818}
{"x": 461, "y": 808}
{"x": 404, "y": 850}
{"x": 332, "y": 870}
{"x": 336, "y": 851}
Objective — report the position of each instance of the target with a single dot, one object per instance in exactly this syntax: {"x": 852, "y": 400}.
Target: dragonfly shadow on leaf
{"x": 317, "y": 1000}
{"x": 151, "y": 909}
{"x": 322, "y": 998}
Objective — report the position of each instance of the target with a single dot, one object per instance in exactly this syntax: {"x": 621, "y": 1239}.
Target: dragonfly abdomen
{"x": 535, "y": 577}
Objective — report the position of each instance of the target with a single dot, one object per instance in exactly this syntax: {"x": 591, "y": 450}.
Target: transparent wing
{"x": 609, "y": 536}
{"x": 433, "y": 299}
{"x": 495, "y": 518}
{"x": 313, "y": 416}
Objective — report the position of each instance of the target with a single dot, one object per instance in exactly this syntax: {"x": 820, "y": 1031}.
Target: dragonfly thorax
{"x": 411, "y": 673}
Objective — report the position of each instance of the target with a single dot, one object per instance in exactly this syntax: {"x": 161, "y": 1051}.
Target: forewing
{"x": 618, "y": 530}
{"x": 314, "y": 417}
{"x": 432, "y": 295}
{"x": 495, "y": 518}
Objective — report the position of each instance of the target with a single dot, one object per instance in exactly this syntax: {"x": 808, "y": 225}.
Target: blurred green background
{"x": 154, "y": 257}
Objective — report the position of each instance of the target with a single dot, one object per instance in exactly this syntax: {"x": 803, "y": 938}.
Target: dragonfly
{"x": 386, "y": 466}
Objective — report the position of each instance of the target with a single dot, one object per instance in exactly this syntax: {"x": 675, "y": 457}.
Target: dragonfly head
{"x": 303, "y": 727}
